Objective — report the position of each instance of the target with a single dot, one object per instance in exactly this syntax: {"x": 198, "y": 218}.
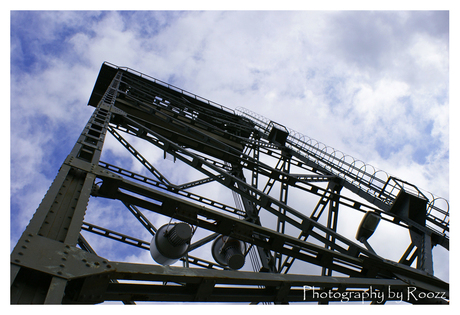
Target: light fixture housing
{"x": 170, "y": 243}
{"x": 368, "y": 226}
{"x": 228, "y": 251}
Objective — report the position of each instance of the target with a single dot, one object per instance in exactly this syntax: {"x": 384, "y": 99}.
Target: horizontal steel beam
{"x": 140, "y": 282}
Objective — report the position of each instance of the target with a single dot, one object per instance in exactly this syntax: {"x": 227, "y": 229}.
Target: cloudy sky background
{"x": 374, "y": 85}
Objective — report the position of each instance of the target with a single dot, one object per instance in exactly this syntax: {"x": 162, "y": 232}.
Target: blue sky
{"x": 374, "y": 85}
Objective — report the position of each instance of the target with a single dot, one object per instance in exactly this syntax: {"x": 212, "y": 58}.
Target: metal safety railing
{"x": 365, "y": 177}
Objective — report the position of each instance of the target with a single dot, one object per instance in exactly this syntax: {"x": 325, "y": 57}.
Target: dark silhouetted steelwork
{"x": 54, "y": 263}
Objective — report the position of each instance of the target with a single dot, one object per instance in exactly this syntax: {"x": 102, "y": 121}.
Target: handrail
{"x": 353, "y": 171}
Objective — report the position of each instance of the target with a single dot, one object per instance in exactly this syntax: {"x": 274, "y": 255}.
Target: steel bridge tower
{"x": 292, "y": 198}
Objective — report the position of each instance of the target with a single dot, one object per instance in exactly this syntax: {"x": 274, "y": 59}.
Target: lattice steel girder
{"x": 184, "y": 133}
{"x": 141, "y": 282}
{"x": 171, "y": 206}
{"x": 328, "y": 197}
{"x": 177, "y": 189}
{"x": 212, "y": 285}
{"x": 60, "y": 214}
{"x": 48, "y": 267}
{"x": 57, "y": 217}
{"x": 260, "y": 198}
{"x": 92, "y": 279}
{"x": 139, "y": 157}
{"x": 152, "y": 96}
{"x": 126, "y": 239}
{"x": 135, "y": 128}
{"x": 356, "y": 177}
{"x": 266, "y": 258}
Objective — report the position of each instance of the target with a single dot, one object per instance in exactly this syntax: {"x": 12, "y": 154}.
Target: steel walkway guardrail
{"x": 377, "y": 183}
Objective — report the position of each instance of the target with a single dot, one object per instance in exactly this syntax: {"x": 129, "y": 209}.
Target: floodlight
{"x": 170, "y": 243}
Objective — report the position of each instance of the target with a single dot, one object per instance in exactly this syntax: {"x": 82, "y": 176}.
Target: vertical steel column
{"x": 280, "y": 227}
{"x": 285, "y": 168}
{"x": 425, "y": 257}
{"x": 60, "y": 214}
{"x": 256, "y": 154}
{"x": 332, "y": 219}
{"x": 266, "y": 258}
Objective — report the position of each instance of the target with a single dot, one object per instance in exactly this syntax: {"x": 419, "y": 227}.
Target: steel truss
{"x": 54, "y": 263}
